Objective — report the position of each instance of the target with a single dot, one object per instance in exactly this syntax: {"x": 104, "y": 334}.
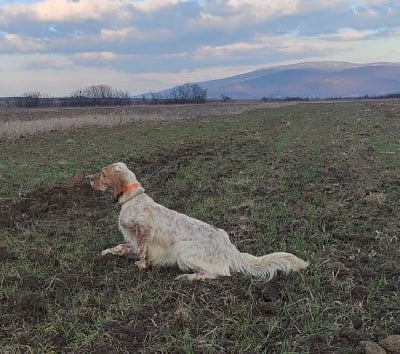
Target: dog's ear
{"x": 115, "y": 179}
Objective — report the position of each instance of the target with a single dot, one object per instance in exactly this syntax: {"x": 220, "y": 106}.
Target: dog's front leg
{"x": 142, "y": 239}
{"x": 119, "y": 250}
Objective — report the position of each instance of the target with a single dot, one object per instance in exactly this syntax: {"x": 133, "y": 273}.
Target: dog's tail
{"x": 266, "y": 267}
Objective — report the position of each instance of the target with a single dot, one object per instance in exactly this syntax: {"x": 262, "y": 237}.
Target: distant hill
{"x": 309, "y": 79}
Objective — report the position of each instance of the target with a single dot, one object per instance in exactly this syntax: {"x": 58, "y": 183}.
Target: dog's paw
{"x": 143, "y": 265}
{"x": 107, "y": 251}
{"x": 189, "y": 277}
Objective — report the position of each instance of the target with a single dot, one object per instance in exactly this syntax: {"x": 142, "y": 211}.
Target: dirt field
{"x": 319, "y": 180}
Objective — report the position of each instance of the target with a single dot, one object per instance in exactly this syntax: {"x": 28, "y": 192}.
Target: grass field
{"x": 318, "y": 180}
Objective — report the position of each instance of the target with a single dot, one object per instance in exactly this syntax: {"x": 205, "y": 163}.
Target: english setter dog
{"x": 164, "y": 237}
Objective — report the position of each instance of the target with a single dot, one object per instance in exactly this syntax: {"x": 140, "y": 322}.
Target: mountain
{"x": 309, "y": 79}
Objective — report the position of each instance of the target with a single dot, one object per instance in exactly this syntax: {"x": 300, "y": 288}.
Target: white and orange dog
{"x": 163, "y": 237}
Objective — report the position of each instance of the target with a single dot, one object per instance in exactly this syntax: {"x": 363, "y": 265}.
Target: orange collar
{"x": 130, "y": 187}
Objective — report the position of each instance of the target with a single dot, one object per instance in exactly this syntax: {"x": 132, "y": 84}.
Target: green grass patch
{"x": 318, "y": 180}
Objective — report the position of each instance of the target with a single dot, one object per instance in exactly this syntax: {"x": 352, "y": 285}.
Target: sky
{"x": 59, "y": 46}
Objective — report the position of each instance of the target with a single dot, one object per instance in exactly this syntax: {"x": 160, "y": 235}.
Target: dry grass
{"x": 27, "y": 122}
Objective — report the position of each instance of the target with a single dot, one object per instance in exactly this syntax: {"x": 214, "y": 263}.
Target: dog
{"x": 164, "y": 237}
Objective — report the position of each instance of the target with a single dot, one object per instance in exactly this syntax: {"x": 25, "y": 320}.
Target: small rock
{"x": 391, "y": 344}
{"x": 372, "y": 348}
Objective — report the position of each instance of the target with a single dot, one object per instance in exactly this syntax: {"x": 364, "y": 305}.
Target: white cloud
{"x": 235, "y": 13}
{"x": 132, "y": 33}
{"x": 76, "y": 11}
{"x": 289, "y": 44}
{"x": 351, "y": 34}
{"x": 225, "y": 51}
{"x": 95, "y": 56}
{"x": 264, "y": 9}
{"x": 154, "y": 5}
{"x": 60, "y": 10}
{"x": 14, "y": 42}
{"x": 376, "y": 2}
{"x": 46, "y": 62}
{"x": 347, "y": 34}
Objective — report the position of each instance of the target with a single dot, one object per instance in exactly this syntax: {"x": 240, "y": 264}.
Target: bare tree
{"x": 29, "y": 99}
{"x": 188, "y": 93}
{"x": 96, "y": 95}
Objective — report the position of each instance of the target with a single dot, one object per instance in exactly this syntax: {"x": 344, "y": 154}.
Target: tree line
{"x": 105, "y": 95}
{"x": 187, "y": 93}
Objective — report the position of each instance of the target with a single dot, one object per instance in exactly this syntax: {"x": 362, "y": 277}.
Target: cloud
{"x": 63, "y": 11}
{"x": 351, "y": 34}
{"x": 174, "y": 39}
{"x": 10, "y": 42}
{"x": 132, "y": 33}
{"x": 151, "y": 6}
{"x": 264, "y": 9}
{"x": 289, "y": 44}
{"x": 96, "y": 56}
{"x": 348, "y": 34}
{"x": 377, "y": 2}
{"x": 235, "y": 13}
{"x": 47, "y": 62}
{"x": 59, "y": 10}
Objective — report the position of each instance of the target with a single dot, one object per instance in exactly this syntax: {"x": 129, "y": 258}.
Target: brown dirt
{"x": 54, "y": 201}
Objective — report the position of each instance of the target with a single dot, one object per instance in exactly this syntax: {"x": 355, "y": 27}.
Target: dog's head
{"x": 116, "y": 177}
